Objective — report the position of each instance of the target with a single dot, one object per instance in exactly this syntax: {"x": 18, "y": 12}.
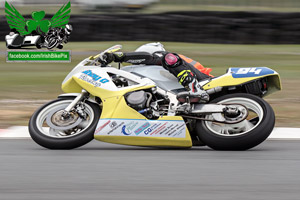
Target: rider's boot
{"x": 197, "y": 92}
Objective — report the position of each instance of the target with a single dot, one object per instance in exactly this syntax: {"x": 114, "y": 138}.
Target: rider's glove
{"x": 107, "y": 58}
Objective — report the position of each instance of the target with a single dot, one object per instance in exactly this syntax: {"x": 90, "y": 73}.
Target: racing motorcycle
{"x": 57, "y": 36}
{"x": 146, "y": 106}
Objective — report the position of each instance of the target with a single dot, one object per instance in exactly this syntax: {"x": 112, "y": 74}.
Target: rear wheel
{"x": 49, "y": 129}
{"x": 38, "y": 45}
{"x": 243, "y": 135}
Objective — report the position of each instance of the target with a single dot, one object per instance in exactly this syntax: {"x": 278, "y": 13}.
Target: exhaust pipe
{"x": 214, "y": 90}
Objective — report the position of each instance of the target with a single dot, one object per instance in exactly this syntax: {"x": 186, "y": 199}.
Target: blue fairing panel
{"x": 250, "y": 72}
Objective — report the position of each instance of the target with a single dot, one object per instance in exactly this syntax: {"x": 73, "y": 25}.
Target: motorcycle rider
{"x": 187, "y": 71}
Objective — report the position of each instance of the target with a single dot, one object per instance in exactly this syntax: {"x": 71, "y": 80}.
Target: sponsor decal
{"x": 95, "y": 77}
{"x": 150, "y": 129}
{"x": 127, "y": 129}
{"x": 159, "y": 128}
{"x": 115, "y": 128}
{"x": 91, "y": 81}
{"x": 142, "y": 128}
{"x": 124, "y": 131}
{"x": 92, "y": 78}
{"x": 102, "y": 126}
{"x": 113, "y": 124}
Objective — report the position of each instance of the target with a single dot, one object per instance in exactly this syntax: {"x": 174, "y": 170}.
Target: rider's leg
{"x": 184, "y": 73}
{"x": 189, "y": 81}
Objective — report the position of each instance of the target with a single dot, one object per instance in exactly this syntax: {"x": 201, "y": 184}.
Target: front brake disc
{"x": 56, "y": 120}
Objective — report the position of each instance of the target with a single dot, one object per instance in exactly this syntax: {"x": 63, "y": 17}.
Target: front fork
{"x": 83, "y": 95}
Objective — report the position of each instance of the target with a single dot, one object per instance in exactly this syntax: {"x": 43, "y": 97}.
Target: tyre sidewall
{"x": 244, "y": 141}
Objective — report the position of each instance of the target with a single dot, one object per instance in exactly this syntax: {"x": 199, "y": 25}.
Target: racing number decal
{"x": 248, "y": 70}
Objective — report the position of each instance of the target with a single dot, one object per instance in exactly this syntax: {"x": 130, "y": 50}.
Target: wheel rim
{"x": 43, "y": 127}
{"x": 254, "y": 118}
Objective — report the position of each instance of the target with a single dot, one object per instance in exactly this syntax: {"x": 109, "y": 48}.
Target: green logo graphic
{"x": 16, "y": 21}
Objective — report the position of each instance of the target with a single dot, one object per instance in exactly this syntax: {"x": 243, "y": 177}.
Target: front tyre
{"x": 69, "y": 133}
{"x": 240, "y": 136}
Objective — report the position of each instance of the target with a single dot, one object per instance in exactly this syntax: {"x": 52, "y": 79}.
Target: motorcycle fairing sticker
{"x": 92, "y": 78}
{"x": 250, "y": 72}
{"x": 95, "y": 77}
{"x": 143, "y": 128}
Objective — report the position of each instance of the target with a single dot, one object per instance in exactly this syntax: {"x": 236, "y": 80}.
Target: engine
{"x": 146, "y": 103}
{"x": 137, "y": 100}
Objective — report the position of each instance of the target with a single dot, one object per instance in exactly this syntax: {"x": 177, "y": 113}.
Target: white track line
{"x": 278, "y": 133}
{"x": 15, "y": 132}
{"x": 285, "y": 133}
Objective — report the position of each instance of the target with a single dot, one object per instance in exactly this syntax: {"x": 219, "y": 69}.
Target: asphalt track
{"x": 105, "y": 171}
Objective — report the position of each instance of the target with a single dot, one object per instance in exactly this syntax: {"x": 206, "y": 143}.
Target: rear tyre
{"x": 60, "y": 46}
{"x": 38, "y": 46}
{"x": 241, "y": 136}
{"x": 81, "y": 131}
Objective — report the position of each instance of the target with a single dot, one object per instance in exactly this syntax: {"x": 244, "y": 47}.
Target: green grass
{"x": 229, "y": 8}
{"x": 35, "y": 81}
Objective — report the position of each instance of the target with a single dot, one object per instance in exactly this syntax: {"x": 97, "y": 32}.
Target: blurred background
{"x": 217, "y": 33}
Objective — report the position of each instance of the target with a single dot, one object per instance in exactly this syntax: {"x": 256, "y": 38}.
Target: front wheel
{"x": 243, "y": 135}
{"x": 50, "y": 129}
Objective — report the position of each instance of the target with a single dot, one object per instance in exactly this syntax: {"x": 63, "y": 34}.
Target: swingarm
{"x": 222, "y": 113}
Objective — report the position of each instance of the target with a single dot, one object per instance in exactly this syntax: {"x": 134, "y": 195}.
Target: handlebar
{"x": 100, "y": 56}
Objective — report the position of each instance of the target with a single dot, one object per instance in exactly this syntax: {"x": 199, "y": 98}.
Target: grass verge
{"x": 25, "y": 86}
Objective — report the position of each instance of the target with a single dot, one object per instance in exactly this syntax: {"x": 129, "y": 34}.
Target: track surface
{"x": 107, "y": 171}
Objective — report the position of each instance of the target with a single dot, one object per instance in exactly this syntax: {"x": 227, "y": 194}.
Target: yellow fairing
{"x": 273, "y": 80}
{"x": 147, "y": 141}
{"x": 150, "y": 141}
{"x": 75, "y": 85}
{"x": 71, "y": 86}
{"x": 114, "y": 106}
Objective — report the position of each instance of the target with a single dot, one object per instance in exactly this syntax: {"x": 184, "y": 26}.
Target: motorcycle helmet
{"x": 151, "y": 47}
{"x": 68, "y": 29}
